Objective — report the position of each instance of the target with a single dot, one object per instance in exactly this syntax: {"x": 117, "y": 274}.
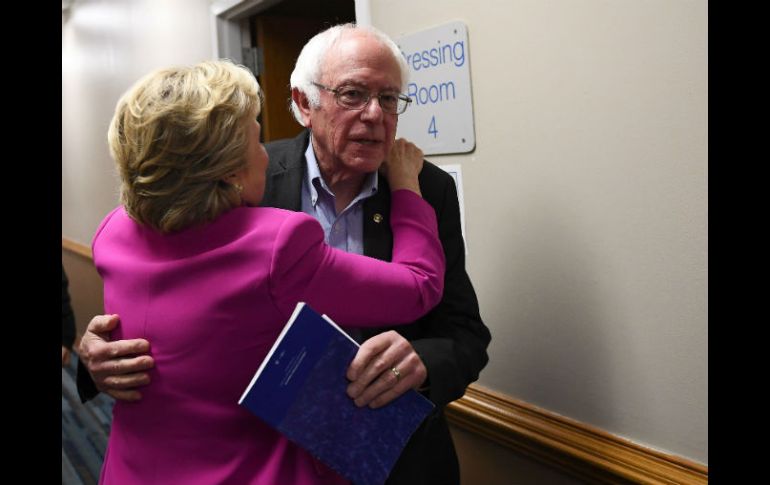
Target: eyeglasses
{"x": 351, "y": 97}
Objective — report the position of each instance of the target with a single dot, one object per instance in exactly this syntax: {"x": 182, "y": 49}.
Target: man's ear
{"x": 303, "y": 104}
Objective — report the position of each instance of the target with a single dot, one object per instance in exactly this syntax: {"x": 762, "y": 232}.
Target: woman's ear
{"x": 231, "y": 179}
{"x": 235, "y": 181}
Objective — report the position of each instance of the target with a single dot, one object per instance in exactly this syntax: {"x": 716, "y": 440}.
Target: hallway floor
{"x": 84, "y": 431}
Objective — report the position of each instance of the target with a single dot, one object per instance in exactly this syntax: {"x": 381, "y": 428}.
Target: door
{"x": 279, "y": 33}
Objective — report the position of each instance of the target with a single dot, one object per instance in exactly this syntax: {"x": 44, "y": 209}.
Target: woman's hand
{"x": 403, "y": 165}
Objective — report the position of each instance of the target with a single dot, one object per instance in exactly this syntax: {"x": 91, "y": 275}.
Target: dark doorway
{"x": 279, "y": 33}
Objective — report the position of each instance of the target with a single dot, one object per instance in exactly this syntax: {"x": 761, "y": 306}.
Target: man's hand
{"x": 117, "y": 368}
{"x": 373, "y": 380}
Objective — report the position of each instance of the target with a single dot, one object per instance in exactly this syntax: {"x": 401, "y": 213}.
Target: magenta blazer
{"x": 211, "y": 300}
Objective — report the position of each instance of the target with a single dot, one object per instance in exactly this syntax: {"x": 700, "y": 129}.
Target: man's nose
{"x": 372, "y": 111}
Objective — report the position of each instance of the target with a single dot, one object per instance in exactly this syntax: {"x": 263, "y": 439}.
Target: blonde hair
{"x": 175, "y": 135}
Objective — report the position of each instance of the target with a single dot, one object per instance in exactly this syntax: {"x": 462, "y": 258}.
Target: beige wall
{"x": 106, "y": 46}
{"x": 586, "y": 205}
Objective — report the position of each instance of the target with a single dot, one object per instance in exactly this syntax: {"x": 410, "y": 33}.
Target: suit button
{"x": 377, "y": 218}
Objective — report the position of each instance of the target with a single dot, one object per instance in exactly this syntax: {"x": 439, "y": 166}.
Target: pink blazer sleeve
{"x": 358, "y": 290}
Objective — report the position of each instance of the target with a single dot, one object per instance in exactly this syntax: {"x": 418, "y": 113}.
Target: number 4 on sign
{"x": 432, "y": 127}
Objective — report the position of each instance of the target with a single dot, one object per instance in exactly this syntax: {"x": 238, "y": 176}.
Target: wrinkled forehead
{"x": 361, "y": 59}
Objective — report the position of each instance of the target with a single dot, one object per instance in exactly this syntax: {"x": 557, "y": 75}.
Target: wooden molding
{"x": 578, "y": 449}
{"x": 77, "y": 248}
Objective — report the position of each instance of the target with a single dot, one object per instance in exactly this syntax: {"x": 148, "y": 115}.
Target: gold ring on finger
{"x": 396, "y": 373}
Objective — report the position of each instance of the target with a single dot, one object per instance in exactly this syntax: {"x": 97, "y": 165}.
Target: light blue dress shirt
{"x": 345, "y": 230}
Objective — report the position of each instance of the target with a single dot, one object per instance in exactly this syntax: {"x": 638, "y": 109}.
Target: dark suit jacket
{"x": 451, "y": 340}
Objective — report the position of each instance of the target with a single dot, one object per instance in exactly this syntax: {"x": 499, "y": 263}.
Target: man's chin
{"x": 367, "y": 158}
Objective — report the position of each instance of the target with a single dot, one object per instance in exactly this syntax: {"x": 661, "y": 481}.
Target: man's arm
{"x": 454, "y": 340}
{"x": 116, "y": 368}
{"x": 449, "y": 343}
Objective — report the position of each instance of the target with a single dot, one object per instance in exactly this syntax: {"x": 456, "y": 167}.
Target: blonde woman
{"x": 191, "y": 264}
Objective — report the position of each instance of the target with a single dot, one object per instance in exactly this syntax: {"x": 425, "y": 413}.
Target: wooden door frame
{"x": 230, "y": 30}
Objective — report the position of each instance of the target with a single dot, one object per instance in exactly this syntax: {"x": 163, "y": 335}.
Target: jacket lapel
{"x": 378, "y": 237}
{"x": 283, "y": 180}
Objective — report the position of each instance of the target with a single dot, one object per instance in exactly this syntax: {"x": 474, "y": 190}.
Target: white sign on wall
{"x": 440, "y": 117}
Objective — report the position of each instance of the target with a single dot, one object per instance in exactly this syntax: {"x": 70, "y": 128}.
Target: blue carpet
{"x": 84, "y": 431}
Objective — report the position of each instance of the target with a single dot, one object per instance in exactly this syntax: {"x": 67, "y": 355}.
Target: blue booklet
{"x": 300, "y": 390}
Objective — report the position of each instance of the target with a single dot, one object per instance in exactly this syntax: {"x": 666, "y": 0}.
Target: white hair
{"x": 310, "y": 62}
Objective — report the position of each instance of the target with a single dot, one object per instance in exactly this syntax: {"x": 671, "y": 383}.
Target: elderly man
{"x": 346, "y": 90}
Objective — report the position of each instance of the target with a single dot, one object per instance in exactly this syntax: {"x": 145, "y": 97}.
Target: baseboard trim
{"x": 76, "y": 248}
{"x": 578, "y": 449}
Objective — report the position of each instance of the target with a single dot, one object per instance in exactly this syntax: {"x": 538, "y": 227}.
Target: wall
{"x": 586, "y": 205}
{"x": 106, "y": 46}
{"x": 85, "y": 289}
